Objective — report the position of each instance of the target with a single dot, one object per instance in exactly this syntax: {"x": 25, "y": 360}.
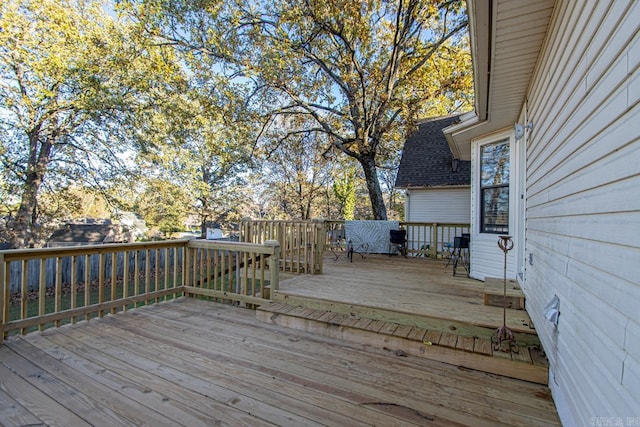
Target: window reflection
{"x": 494, "y": 187}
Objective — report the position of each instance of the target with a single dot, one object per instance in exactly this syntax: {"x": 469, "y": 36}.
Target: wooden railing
{"x": 423, "y": 239}
{"x": 301, "y": 242}
{"x": 40, "y": 288}
{"x": 239, "y": 272}
{"x": 47, "y": 287}
{"x": 432, "y": 239}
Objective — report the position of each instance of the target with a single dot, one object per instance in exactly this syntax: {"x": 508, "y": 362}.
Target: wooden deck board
{"x": 432, "y": 337}
{"x": 402, "y": 331}
{"x": 330, "y": 357}
{"x": 387, "y": 328}
{"x": 319, "y": 358}
{"x": 242, "y": 398}
{"x": 448, "y": 340}
{"x": 375, "y": 325}
{"x": 77, "y": 391}
{"x": 108, "y": 367}
{"x": 14, "y": 413}
{"x": 417, "y": 334}
{"x": 118, "y": 398}
{"x": 287, "y": 336}
{"x": 45, "y": 408}
{"x": 191, "y": 362}
{"x": 482, "y": 346}
{"x": 538, "y": 357}
{"x": 465, "y": 343}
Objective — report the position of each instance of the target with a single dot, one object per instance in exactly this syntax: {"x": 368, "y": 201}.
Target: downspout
{"x": 407, "y": 206}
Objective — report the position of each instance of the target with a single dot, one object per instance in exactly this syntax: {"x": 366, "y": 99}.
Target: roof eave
{"x": 480, "y": 39}
{"x": 459, "y": 145}
{"x": 432, "y": 187}
{"x": 494, "y": 30}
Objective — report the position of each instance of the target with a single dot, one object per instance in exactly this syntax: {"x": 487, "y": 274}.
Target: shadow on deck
{"x": 413, "y": 306}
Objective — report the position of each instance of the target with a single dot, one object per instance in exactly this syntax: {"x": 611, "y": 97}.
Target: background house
{"x": 93, "y": 233}
{"x": 437, "y": 184}
{"x": 570, "y": 186}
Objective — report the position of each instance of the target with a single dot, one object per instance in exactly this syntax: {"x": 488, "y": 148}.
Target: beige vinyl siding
{"x": 441, "y": 205}
{"x": 488, "y": 260}
{"x": 583, "y": 207}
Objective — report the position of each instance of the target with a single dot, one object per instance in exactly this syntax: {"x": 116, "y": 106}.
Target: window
{"x": 494, "y": 188}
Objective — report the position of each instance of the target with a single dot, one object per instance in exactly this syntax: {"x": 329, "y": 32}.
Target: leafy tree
{"x": 345, "y": 191}
{"x": 210, "y": 152}
{"x": 297, "y": 173}
{"x": 394, "y": 198}
{"x": 74, "y": 202}
{"x": 163, "y": 205}
{"x": 76, "y": 86}
{"x": 208, "y": 168}
{"x": 361, "y": 71}
{"x": 203, "y": 148}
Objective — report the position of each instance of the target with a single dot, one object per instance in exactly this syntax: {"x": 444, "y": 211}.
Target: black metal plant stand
{"x": 503, "y": 338}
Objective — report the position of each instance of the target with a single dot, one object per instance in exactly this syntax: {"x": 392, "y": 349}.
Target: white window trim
{"x": 505, "y": 135}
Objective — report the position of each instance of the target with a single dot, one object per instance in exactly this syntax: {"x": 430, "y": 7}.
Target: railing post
{"x": 274, "y": 265}
{"x": 434, "y": 238}
{"x": 3, "y": 299}
{"x": 186, "y": 266}
{"x": 319, "y": 238}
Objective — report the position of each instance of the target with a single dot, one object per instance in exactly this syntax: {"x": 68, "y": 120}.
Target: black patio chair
{"x": 460, "y": 252}
{"x": 398, "y": 239}
{"x": 337, "y": 243}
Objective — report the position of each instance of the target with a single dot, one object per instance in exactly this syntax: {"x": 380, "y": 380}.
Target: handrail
{"x": 423, "y": 238}
{"x": 46, "y": 287}
{"x": 301, "y": 241}
{"x": 214, "y": 271}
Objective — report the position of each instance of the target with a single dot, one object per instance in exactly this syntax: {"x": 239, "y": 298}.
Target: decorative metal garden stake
{"x": 503, "y": 339}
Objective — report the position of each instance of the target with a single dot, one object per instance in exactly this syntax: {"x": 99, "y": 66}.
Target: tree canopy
{"x": 192, "y": 97}
{"x": 361, "y": 71}
{"x": 76, "y": 85}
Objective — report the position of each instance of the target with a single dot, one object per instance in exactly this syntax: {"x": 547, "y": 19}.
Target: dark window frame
{"x": 500, "y": 190}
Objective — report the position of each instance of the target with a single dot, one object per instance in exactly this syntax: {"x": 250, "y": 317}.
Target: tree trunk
{"x": 39, "y": 157}
{"x": 373, "y": 186}
{"x": 204, "y": 217}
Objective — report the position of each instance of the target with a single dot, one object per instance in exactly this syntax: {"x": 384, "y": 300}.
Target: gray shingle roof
{"x": 427, "y": 159}
{"x": 88, "y": 233}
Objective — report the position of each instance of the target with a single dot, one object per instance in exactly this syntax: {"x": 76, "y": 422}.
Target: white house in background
{"x": 570, "y": 186}
{"x": 436, "y": 184}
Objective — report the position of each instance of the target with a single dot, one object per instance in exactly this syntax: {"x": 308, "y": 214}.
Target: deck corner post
{"x": 186, "y": 266}
{"x": 274, "y": 264}
{"x": 4, "y": 300}
{"x": 434, "y": 238}
{"x": 319, "y": 242}
{"x": 246, "y": 230}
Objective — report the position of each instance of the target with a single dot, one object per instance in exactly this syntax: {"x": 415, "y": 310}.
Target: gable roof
{"x": 88, "y": 234}
{"x": 427, "y": 160}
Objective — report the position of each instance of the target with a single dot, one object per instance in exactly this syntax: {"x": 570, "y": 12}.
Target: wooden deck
{"x": 411, "y": 305}
{"x": 405, "y": 290}
{"x": 193, "y": 362}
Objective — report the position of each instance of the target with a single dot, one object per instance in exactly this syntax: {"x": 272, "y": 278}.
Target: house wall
{"x": 583, "y": 209}
{"x": 442, "y": 205}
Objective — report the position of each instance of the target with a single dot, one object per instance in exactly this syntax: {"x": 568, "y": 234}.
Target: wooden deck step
{"x": 494, "y": 293}
{"x": 471, "y": 352}
{"x": 447, "y": 319}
